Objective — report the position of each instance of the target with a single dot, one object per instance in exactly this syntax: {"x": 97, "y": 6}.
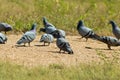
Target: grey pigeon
{"x": 115, "y": 29}
{"x": 55, "y": 34}
{"x": 84, "y": 31}
{"x": 48, "y": 27}
{"x": 110, "y": 41}
{"x": 5, "y": 27}
{"x": 63, "y": 44}
{"x": 47, "y": 38}
{"x": 29, "y": 36}
{"x": 3, "y": 38}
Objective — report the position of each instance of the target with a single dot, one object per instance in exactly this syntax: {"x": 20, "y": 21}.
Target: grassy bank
{"x": 58, "y": 72}
{"x": 62, "y": 13}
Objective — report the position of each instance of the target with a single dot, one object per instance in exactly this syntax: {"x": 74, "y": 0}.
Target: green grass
{"x": 64, "y": 14}
{"x": 60, "y": 72}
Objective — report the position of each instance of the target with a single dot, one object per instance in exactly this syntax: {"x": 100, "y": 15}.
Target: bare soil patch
{"x": 84, "y": 52}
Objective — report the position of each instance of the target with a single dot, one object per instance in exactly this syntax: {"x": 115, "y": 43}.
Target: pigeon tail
{"x": 20, "y": 41}
{"x": 68, "y": 48}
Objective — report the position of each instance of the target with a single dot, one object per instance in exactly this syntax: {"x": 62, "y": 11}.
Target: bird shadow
{"x": 57, "y": 52}
{"x": 97, "y": 48}
{"x": 54, "y": 51}
{"x": 41, "y": 45}
{"x": 21, "y": 46}
{"x": 80, "y": 40}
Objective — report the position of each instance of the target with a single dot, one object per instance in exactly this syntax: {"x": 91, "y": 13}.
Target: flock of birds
{"x": 51, "y": 32}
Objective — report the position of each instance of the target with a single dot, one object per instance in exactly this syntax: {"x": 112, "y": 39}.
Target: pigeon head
{"x": 8, "y": 29}
{"x": 34, "y": 26}
{"x": 57, "y": 34}
{"x": 43, "y": 37}
{"x": 69, "y": 50}
{"x": 7, "y": 26}
{"x": 112, "y": 23}
{"x": 42, "y": 29}
{"x": 44, "y": 21}
{"x": 80, "y": 24}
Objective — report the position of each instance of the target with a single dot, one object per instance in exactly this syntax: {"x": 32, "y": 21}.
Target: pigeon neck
{"x": 45, "y": 21}
{"x": 80, "y": 24}
{"x": 114, "y": 25}
{"x": 59, "y": 36}
{"x": 33, "y": 28}
{"x": 8, "y": 29}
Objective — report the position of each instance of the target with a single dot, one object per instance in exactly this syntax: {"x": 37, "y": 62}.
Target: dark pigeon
{"x": 3, "y": 38}
{"x": 63, "y": 44}
{"x": 115, "y": 29}
{"x": 47, "y": 38}
{"x": 84, "y": 31}
{"x": 5, "y": 27}
{"x": 29, "y": 36}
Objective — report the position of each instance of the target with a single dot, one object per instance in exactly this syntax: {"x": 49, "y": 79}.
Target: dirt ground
{"x": 84, "y": 52}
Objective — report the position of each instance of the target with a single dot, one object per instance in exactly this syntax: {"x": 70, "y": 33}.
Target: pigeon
{"x": 55, "y": 34}
{"x": 48, "y": 27}
{"x": 28, "y": 36}
{"x": 63, "y": 44}
{"x": 3, "y": 38}
{"x": 47, "y": 38}
{"x": 5, "y": 27}
{"x": 110, "y": 41}
{"x": 115, "y": 29}
{"x": 84, "y": 31}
